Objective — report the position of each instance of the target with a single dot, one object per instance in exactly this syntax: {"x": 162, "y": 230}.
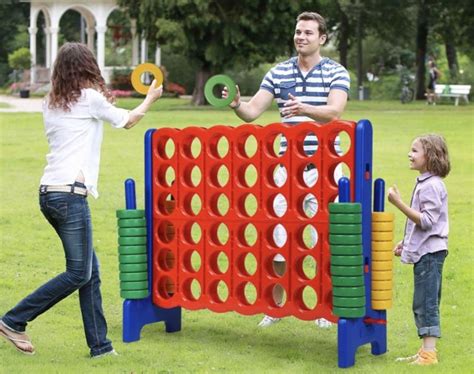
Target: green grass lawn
{"x": 31, "y": 254}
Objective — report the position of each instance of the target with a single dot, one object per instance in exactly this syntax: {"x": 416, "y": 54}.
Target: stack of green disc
{"x": 132, "y": 253}
{"x": 347, "y": 261}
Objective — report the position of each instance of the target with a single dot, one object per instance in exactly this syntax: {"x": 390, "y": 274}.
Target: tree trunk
{"x": 421, "y": 43}
{"x": 452, "y": 57}
{"x": 344, "y": 31}
{"x": 202, "y": 76}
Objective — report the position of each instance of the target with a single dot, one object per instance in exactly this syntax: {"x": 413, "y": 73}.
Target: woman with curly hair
{"x": 73, "y": 115}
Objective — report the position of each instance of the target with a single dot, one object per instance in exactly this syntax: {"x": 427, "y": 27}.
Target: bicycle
{"x": 407, "y": 94}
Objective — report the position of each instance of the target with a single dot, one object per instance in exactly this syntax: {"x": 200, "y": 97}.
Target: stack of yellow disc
{"x": 382, "y": 247}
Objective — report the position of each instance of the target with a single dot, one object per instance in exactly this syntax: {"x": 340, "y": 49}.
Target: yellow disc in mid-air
{"x": 145, "y": 68}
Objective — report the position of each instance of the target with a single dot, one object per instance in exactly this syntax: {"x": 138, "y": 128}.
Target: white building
{"x": 95, "y": 14}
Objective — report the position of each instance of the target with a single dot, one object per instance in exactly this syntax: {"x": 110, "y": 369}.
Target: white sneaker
{"x": 267, "y": 321}
{"x": 323, "y": 323}
{"x": 113, "y": 352}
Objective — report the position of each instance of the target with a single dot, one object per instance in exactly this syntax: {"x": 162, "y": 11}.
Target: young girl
{"x": 73, "y": 115}
{"x": 425, "y": 243}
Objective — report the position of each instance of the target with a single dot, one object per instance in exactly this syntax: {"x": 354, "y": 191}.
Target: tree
{"x": 218, "y": 35}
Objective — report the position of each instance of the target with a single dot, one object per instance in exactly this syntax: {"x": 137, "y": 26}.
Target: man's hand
{"x": 397, "y": 251}
{"x": 236, "y": 102}
{"x": 293, "y": 107}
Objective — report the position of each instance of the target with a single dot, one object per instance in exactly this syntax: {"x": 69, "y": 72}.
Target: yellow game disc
{"x": 381, "y": 305}
{"x": 382, "y": 217}
{"x": 382, "y": 246}
{"x": 382, "y": 275}
{"x": 382, "y": 265}
{"x": 381, "y": 295}
{"x": 381, "y": 285}
{"x": 382, "y": 236}
{"x": 144, "y": 68}
{"x": 382, "y": 255}
{"x": 382, "y": 226}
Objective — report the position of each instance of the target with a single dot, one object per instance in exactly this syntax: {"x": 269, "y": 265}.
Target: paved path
{"x": 17, "y": 104}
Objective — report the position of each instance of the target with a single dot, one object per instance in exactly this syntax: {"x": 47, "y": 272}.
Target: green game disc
{"x": 345, "y": 239}
{"x": 139, "y": 294}
{"x": 335, "y": 228}
{"x": 134, "y": 277}
{"x": 345, "y": 208}
{"x": 349, "y": 302}
{"x": 132, "y": 231}
{"x": 132, "y": 240}
{"x": 223, "y": 80}
{"x": 131, "y": 222}
{"x": 348, "y": 291}
{"x": 127, "y": 286}
{"x": 132, "y": 259}
{"x": 130, "y": 213}
{"x": 343, "y": 250}
{"x": 347, "y": 260}
{"x": 349, "y": 312}
{"x": 132, "y": 249}
{"x": 133, "y": 268}
{"x": 345, "y": 218}
{"x": 342, "y": 281}
{"x": 349, "y": 271}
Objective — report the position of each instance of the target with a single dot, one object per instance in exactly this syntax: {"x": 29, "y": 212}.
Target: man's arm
{"x": 337, "y": 100}
{"x": 249, "y": 111}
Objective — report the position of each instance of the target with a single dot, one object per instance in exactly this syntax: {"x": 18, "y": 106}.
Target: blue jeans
{"x": 428, "y": 274}
{"x": 70, "y": 216}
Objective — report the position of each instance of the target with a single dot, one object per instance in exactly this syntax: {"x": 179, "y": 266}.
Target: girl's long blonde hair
{"x": 436, "y": 153}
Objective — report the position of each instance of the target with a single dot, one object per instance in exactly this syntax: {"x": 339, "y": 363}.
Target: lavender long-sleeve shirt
{"x": 430, "y": 198}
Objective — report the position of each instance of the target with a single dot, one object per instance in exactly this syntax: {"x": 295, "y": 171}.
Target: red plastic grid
{"x": 176, "y": 255}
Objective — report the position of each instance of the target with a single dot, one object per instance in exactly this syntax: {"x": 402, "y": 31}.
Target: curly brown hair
{"x": 436, "y": 153}
{"x": 75, "y": 68}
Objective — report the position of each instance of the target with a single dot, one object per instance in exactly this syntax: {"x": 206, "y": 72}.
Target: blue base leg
{"x": 138, "y": 313}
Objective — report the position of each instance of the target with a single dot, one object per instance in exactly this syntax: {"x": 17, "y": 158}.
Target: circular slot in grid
{"x": 248, "y": 205}
{"x": 273, "y": 145}
{"x": 247, "y": 293}
{"x": 192, "y": 289}
{"x": 166, "y": 287}
{"x": 192, "y": 261}
{"x": 339, "y": 171}
{"x": 192, "y": 233}
{"x": 250, "y": 264}
{"x": 309, "y": 175}
{"x": 247, "y": 175}
{"x": 165, "y": 148}
{"x": 276, "y": 295}
{"x": 220, "y": 148}
{"x": 307, "y": 298}
{"x": 279, "y": 236}
{"x": 278, "y": 176}
{"x": 307, "y": 267}
{"x": 166, "y": 231}
{"x": 340, "y": 144}
{"x": 192, "y": 147}
{"x": 280, "y": 205}
{"x": 219, "y": 234}
{"x": 166, "y": 259}
{"x": 192, "y": 175}
{"x": 249, "y": 147}
{"x": 219, "y": 204}
{"x": 278, "y": 265}
{"x": 192, "y": 204}
{"x": 309, "y": 237}
{"x": 219, "y": 175}
{"x": 309, "y": 205}
{"x": 166, "y": 203}
{"x": 219, "y": 291}
{"x": 220, "y": 263}
{"x": 166, "y": 176}
{"x": 247, "y": 235}
{"x": 308, "y": 144}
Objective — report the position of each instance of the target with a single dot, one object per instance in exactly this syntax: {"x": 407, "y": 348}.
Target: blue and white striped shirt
{"x": 312, "y": 88}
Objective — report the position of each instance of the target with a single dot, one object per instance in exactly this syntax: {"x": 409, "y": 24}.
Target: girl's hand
{"x": 393, "y": 195}
{"x": 397, "y": 251}
{"x": 154, "y": 93}
{"x": 236, "y": 102}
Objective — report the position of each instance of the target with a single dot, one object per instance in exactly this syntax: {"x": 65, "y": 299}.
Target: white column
{"x": 33, "y": 31}
{"x": 47, "y": 35}
{"x": 144, "y": 50}
{"x": 54, "y": 43}
{"x": 133, "y": 30}
{"x": 158, "y": 55}
{"x": 90, "y": 37}
{"x": 101, "y": 46}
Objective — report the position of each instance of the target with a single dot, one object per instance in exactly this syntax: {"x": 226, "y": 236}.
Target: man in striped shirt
{"x": 307, "y": 87}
